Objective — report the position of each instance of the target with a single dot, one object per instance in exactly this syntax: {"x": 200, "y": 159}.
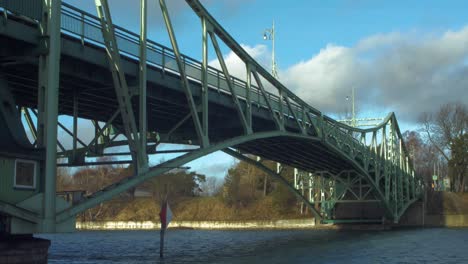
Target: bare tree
{"x": 443, "y": 127}
{"x": 445, "y": 130}
{"x": 211, "y": 186}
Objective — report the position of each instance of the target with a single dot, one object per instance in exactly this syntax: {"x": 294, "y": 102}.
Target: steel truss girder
{"x": 349, "y": 183}
{"x": 388, "y": 161}
{"x": 120, "y": 84}
{"x": 101, "y": 140}
{"x": 331, "y": 189}
{"x": 33, "y": 129}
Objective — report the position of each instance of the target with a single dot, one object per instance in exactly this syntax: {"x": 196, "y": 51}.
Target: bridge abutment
{"x": 21, "y": 249}
{"x": 414, "y": 215}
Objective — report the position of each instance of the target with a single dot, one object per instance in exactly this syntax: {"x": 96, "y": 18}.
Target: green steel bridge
{"x": 58, "y": 60}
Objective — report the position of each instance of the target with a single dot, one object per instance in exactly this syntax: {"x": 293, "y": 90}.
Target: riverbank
{"x": 454, "y": 221}
{"x": 442, "y": 209}
{"x": 203, "y": 225}
{"x": 289, "y": 224}
{"x": 192, "y": 209}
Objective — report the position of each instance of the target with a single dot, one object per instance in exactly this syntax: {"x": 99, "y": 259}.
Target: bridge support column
{"x": 143, "y": 123}
{"x": 48, "y": 90}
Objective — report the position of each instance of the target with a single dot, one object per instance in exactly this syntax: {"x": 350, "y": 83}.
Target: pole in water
{"x": 161, "y": 243}
{"x": 165, "y": 216}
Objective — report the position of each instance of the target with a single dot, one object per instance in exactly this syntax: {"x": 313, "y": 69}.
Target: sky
{"x": 406, "y": 57}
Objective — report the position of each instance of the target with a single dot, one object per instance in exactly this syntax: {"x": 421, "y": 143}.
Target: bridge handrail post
{"x": 82, "y": 35}
{"x": 219, "y": 81}
{"x": 163, "y": 60}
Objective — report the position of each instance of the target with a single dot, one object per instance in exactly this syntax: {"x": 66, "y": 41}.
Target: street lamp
{"x": 269, "y": 34}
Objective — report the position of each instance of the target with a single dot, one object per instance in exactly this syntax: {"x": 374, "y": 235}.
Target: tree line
{"x": 243, "y": 185}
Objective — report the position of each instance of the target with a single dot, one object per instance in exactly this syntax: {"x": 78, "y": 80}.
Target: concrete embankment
{"x": 442, "y": 209}
{"x": 212, "y": 225}
{"x": 446, "y": 220}
{"x": 412, "y": 220}
{"x": 446, "y": 209}
{"x": 430, "y": 220}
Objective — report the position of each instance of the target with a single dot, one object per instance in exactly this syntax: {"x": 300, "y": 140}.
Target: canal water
{"x": 438, "y": 245}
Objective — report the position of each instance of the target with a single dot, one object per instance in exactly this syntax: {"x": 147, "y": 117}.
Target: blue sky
{"x": 305, "y": 27}
{"x": 403, "y": 56}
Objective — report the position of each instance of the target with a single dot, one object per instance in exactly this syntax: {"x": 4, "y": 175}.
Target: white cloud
{"x": 322, "y": 79}
{"x": 236, "y": 66}
{"x": 406, "y": 73}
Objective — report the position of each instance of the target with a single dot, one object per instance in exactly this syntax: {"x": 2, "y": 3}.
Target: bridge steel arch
{"x": 268, "y": 121}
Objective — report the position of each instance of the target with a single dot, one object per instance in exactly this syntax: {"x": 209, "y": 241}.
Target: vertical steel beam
{"x": 204, "y": 78}
{"x": 303, "y": 118}
{"x": 280, "y": 106}
{"x": 49, "y": 71}
{"x": 248, "y": 99}
{"x": 310, "y": 187}
{"x": 296, "y": 172}
{"x": 143, "y": 122}
{"x": 82, "y": 28}
{"x": 75, "y": 123}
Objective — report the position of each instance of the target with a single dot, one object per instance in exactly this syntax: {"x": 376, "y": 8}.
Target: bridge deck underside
{"x": 308, "y": 155}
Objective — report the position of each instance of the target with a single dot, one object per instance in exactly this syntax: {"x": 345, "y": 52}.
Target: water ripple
{"x": 308, "y": 246}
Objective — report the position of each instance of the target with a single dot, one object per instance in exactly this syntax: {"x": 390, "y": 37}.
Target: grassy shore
{"x": 193, "y": 209}
{"x": 214, "y": 209}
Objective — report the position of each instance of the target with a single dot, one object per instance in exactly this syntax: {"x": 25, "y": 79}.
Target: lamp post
{"x": 353, "y": 117}
{"x": 269, "y": 34}
{"x": 359, "y": 122}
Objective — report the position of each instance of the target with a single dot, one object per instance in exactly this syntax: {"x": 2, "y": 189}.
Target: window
{"x": 25, "y": 174}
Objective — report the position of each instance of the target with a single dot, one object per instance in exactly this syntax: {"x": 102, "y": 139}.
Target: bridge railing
{"x": 28, "y": 8}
